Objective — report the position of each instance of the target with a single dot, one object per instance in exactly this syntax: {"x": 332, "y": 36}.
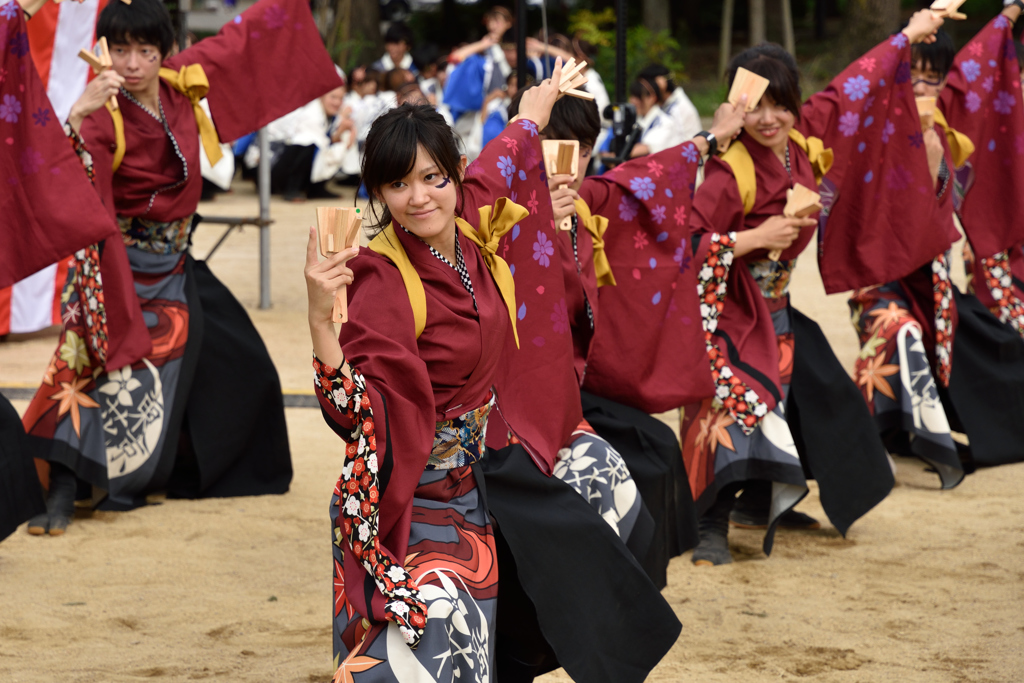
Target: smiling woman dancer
{"x": 429, "y": 350}
{"x": 143, "y": 409}
{"x": 785, "y": 408}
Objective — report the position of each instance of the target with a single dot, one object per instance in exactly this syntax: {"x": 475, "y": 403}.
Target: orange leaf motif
{"x": 713, "y": 431}
{"x": 354, "y": 664}
{"x": 872, "y": 376}
{"x": 71, "y": 398}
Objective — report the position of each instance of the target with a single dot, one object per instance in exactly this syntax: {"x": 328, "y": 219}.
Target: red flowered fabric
{"x": 943, "y": 292}
{"x": 358, "y": 491}
{"x": 995, "y": 274}
{"x": 982, "y": 99}
{"x": 742, "y": 402}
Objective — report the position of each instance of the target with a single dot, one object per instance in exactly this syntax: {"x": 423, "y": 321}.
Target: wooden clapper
{"x": 948, "y": 9}
{"x": 99, "y": 60}
{"x": 744, "y": 83}
{"x": 926, "y": 110}
{"x": 337, "y": 229}
{"x": 800, "y": 203}
{"x": 562, "y": 157}
{"x": 573, "y": 80}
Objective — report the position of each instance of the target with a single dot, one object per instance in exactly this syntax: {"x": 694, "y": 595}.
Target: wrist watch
{"x": 713, "y": 141}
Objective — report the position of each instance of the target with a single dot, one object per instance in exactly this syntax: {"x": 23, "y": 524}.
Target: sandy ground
{"x": 928, "y": 587}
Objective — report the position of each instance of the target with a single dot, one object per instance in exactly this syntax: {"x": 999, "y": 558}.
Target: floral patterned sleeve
{"x": 78, "y": 144}
{"x": 359, "y": 497}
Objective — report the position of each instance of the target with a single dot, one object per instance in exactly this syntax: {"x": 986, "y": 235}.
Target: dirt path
{"x": 928, "y": 587}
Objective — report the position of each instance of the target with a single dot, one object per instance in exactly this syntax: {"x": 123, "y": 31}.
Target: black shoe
{"x": 713, "y": 548}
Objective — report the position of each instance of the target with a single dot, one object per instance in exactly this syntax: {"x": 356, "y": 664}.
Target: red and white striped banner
{"x": 56, "y": 34}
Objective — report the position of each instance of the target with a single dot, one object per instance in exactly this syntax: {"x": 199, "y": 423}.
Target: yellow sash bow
{"x": 821, "y": 159}
{"x": 191, "y": 81}
{"x": 493, "y": 226}
{"x": 960, "y": 146}
{"x": 596, "y": 226}
{"x": 386, "y": 244}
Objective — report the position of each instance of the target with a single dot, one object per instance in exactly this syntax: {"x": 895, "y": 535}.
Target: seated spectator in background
{"x": 427, "y": 60}
{"x": 674, "y": 101}
{"x": 494, "y": 115}
{"x": 363, "y": 104}
{"x": 307, "y": 147}
{"x": 393, "y": 80}
{"x": 397, "y": 46}
{"x": 659, "y": 130}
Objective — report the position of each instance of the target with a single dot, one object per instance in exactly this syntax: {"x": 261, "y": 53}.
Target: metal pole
{"x": 620, "y": 51}
{"x": 725, "y": 43}
{"x": 521, "y": 44}
{"x": 264, "y": 185}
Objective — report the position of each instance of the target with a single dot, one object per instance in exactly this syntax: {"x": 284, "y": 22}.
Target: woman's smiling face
{"x": 769, "y": 124}
{"x": 424, "y": 200}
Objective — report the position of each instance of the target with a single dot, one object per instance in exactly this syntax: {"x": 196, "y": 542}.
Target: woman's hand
{"x": 97, "y": 93}
{"x": 922, "y": 26}
{"x": 933, "y": 146}
{"x": 537, "y": 102}
{"x": 776, "y": 234}
{"x": 729, "y": 120}
{"x": 563, "y": 197}
{"x": 323, "y": 278}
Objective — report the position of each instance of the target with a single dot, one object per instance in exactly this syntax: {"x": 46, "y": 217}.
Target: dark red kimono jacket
{"x": 648, "y": 347}
{"x": 982, "y": 99}
{"x": 260, "y": 67}
{"x": 881, "y": 221}
{"x": 462, "y": 354}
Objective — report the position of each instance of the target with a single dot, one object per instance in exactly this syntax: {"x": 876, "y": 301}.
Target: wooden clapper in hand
{"x": 948, "y": 9}
{"x": 562, "y": 157}
{"x": 744, "y": 83}
{"x": 337, "y": 229}
{"x": 800, "y": 203}
{"x": 573, "y": 80}
{"x": 926, "y": 110}
{"x": 99, "y": 60}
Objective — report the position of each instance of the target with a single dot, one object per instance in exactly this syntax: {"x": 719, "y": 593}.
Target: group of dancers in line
{"x": 494, "y": 383}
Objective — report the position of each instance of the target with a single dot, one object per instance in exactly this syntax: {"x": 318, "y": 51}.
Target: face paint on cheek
{"x": 444, "y": 183}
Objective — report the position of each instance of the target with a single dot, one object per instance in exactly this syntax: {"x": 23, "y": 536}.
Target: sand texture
{"x": 929, "y": 586}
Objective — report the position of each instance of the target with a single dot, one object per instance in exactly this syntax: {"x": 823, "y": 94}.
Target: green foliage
{"x": 642, "y": 46}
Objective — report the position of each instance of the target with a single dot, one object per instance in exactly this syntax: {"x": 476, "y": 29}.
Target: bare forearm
{"x": 326, "y": 346}
{"x": 746, "y": 242}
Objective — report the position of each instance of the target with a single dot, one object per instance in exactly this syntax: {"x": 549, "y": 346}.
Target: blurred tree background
{"x": 682, "y": 34}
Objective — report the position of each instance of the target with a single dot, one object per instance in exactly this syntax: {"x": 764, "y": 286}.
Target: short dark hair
{"x": 937, "y": 56}
{"x": 654, "y": 70}
{"x": 643, "y": 87}
{"x": 398, "y": 32}
{"x": 778, "y": 66}
{"x": 144, "y": 21}
{"x": 390, "y": 153}
{"x": 571, "y": 119}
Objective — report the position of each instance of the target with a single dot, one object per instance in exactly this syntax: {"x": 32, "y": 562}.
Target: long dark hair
{"x": 778, "y": 66}
{"x": 390, "y": 153}
{"x": 144, "y": 21}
